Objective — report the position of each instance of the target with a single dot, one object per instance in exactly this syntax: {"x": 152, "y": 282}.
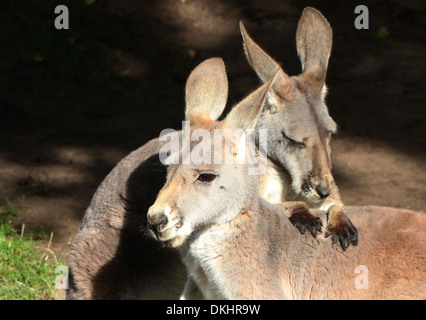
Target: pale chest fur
{"x": 204, "y": 259}
{"x": 271, "y": 185}
{"x": 275, "y": 185}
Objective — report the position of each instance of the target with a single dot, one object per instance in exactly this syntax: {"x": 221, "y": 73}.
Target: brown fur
{"x": 300, "y": 267}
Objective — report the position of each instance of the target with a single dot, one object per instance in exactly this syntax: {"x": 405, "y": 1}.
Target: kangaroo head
{"x": 295, "y": 114}
{"x": 197, "y": 193}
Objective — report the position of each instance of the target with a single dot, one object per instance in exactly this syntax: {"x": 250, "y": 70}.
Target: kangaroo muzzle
{"x": 157, "y": 219}
{"x": 323, "y": 190}
{"x": 323, "y": 187}
{"x": 318, "y": 187}
{"x": 166, "y": 225}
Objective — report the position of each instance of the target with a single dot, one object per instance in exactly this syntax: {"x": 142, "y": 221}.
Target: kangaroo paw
{"x": 302, "y": 218}
{"x": 341, "y": 229}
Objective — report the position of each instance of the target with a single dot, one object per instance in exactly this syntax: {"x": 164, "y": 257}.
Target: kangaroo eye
{"x": 206, "y": 177}
{"x": 292, "y": 141}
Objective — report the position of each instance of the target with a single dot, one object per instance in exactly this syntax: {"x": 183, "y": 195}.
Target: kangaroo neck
{"x": 276, "y": 184}
{"x": 260, "y": 242}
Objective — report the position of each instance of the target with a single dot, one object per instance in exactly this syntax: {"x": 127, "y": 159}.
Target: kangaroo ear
{"x": 314, "y": 38}
{"x": 246, "y": 113}
{"x": 206, "y": 90}
{"x": 261, "y": 62}
{"x": 265, "y": 67}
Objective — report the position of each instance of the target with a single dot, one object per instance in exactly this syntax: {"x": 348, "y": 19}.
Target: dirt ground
{"x": 70, "y": 133}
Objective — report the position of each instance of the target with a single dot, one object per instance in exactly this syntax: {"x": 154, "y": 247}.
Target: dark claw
{"x": 304, "y": 220}
{"x": 300, "y": 226}
{"x": 315, "y": 226}
{"x": 344, "y": 242}
{"x": 343, "y": 232}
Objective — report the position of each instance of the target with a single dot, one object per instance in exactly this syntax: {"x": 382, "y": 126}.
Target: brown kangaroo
{"x": 236, "y": 245}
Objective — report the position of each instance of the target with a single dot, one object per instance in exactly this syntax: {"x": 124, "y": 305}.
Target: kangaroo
{"x": 237, "y": 245}
{"x": 300, "y": 164}
{"x": 112, "y": 258}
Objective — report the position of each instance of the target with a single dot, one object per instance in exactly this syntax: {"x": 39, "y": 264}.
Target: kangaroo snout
{"x": 323, "y": 190}
{"x": 157, "y": 218}
{"x": 323, "y": 187}
{"x": 166, "y": 224}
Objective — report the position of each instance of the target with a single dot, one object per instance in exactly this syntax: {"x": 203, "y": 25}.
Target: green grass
{"x": 25, "y": 274}
{"x": 8, "y": 211}
{"x": 41, "y": 187}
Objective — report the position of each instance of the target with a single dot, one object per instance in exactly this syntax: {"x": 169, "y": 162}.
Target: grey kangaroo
{"x": 111, "y": 256}
{"x": 300, "y": 141}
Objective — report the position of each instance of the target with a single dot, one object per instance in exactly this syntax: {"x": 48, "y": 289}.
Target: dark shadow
{"x": 138, "y": 254}
{"x": 377, "y": 87}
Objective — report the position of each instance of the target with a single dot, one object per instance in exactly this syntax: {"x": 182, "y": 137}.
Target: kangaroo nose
{"x": 156, "y": 218}
{"x": 323, "y": 190}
